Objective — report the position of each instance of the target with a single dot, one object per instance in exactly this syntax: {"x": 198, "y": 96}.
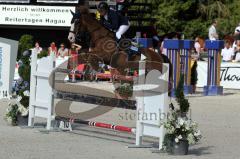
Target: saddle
{"x": 131, "y": 47}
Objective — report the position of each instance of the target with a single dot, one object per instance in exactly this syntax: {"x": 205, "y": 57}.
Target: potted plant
{"x": 15, "y": 111}
{"x": 180, "y": 132}
{"x": 19, "y": 103}
{"x": 11, "y": 115}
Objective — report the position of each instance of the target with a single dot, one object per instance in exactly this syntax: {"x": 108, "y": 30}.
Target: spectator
{"x": 162, "y": 48}
{"x": 212, "y": 32}
{"x": 237, "y": 32}
{"x": 37, "y": 48}
{"x": 62, "y": 51}
{"x": 74, "y": 49}
{"x": 227, "y": 52}
{"x": 237, "y": 51}
{"x": 52, "y": 49}
{"x": 197, "y": 46}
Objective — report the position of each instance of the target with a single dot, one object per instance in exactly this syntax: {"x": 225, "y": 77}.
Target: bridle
{"x": 90, "y": 31}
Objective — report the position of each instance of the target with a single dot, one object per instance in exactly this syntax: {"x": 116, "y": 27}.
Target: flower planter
{"x": 180, "y": 148}
{"x": 22, "y": 120}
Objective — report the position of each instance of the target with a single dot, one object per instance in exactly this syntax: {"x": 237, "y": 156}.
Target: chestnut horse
{"x": 106, "y": 49}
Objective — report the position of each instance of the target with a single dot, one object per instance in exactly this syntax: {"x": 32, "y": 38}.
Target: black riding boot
{"x": 117, "y": 40}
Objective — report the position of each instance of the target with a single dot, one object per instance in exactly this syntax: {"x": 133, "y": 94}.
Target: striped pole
{"x": 188, "y": 45}
{"x": 173, "y": 52}
{"x": 213, "y": 76}
{"x": 97, "y": 124}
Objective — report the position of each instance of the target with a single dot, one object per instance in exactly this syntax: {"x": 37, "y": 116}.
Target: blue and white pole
{"x": 214, "y": 62}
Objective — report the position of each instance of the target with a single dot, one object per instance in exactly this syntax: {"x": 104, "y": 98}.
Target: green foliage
{"x": 213, "y": 9}
{"x": 12, "y": 114}
{"x": 25, "y": 99}
{"x": 43, "y": 53}
{"x": 193, "y": 17}
{"x": 25, "y": 43}
{"x": 196, "y": 28}
{"x": 180, "y": 98}
{"x": 179, "y": 129}
{"x": 24, "y": 72}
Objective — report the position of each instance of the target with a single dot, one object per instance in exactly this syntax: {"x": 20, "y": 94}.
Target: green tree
{"x": 210, "y": 9}
{"x": 193, "y": 17}
{"x": 24, "y": 70}
{"x": 25, "y": 43}
{"x": 180, "y": 97}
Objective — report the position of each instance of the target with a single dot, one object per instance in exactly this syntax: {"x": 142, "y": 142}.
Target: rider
{"x": 113, "y": 20}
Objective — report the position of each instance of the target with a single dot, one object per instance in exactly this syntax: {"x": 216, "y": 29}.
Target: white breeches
{"x": 122, "y": 29}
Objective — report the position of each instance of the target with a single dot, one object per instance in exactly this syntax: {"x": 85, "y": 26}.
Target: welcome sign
{"x": 15, "y": 1}
{"x": 36, "y": 15}
{"x": 8, "y": 55}
{"x": 58, "y": 1}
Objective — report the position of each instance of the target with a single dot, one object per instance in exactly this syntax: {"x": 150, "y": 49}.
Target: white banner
{"x": 8, "y": 54}
{"x": 15, "y": 1}
{"x": 58, "y": 1}
{"x": 36, "y": 15}
{"x": 229, "y": 77}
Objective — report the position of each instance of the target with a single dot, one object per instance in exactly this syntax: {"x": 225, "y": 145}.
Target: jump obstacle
{"x": 179, "y": 53}
{"x": 151, "y": 96}
{"x": 214, "y": 61}
{"x": 41, "y": 94}
{"x": 148, "y": 101}
{"x": 97, "y": 124}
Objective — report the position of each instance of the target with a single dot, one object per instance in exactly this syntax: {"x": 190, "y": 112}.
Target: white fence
{"x": 151, "y": 100}
{"x": 151, "y": 94}
{"x": 41, "y": 94}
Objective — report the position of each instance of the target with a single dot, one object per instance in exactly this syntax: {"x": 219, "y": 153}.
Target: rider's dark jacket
{"x": 114, "y": 21}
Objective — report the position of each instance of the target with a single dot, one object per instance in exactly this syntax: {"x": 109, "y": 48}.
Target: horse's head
{"x": 77, "y": 25}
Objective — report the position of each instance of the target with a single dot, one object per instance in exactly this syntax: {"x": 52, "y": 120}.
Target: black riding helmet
{"x": 103, "y": 6}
